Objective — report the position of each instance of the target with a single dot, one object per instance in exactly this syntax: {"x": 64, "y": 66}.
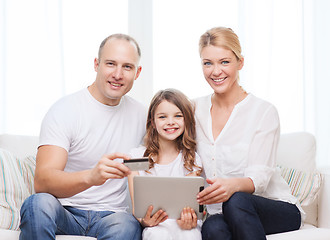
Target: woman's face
{"x": 220, "y": 68}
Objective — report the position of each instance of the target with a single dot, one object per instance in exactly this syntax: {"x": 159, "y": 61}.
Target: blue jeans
{"x": 250, "y": 217}
{"x": 43, "y": 217}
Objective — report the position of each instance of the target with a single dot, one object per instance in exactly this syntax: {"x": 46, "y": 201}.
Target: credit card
{"x": 137, "y": 164}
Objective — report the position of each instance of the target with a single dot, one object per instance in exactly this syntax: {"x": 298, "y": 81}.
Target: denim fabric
{"x": 250, "y": 217}
{"x": 43, "y": 217}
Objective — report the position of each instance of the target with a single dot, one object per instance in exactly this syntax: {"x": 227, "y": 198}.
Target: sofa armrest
{"x": 324, "y": 201}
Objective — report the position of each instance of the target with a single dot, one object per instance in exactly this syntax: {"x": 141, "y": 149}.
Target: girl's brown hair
{"x": 186, "y": 141}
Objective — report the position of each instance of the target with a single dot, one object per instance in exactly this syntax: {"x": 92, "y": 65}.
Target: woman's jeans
{"x": 43, "y": 217}
{"x": 250, "y": 217}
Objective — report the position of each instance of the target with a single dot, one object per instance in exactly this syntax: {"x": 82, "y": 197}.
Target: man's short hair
{"x": 120, "y": 36}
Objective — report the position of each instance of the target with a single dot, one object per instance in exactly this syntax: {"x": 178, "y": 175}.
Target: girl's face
{"x": 220, "y": 68}
{"x": 169, "y": 121}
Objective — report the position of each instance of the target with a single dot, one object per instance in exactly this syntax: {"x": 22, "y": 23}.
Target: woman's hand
{"x": 188, "y": 219}
{"x": 220, "y": 190}
{"x": 154, "y": 220}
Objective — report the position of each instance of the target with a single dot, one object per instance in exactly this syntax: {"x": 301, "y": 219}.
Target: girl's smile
{"x": 169, "y": 121}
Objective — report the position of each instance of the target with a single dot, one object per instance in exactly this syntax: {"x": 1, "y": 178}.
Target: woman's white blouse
{"x": 246, "y": 147}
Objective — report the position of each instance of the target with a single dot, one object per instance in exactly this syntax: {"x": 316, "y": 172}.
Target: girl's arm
{"x": 148, "y": 220}
{"x": 131, "y": 188}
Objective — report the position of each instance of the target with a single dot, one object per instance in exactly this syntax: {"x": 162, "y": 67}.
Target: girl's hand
{"x": 154, "y": 220}
{"x": 188, "y": 219}
{"x": 220, "y": 190}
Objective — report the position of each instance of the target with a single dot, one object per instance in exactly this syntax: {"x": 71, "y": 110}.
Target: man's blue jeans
{"x": 43, "y": 217}
{"x": 250, "y": 217}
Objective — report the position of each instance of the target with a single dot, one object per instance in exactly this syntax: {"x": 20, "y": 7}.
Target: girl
{"x": 170, "y": 145}
{"x": 237, "y": 135}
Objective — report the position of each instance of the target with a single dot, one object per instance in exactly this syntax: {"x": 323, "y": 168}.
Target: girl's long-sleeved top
{"x": 246, "y": 147}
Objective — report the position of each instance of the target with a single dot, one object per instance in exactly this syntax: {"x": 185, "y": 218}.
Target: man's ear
{"x": 138, "y": 72}
{"x": 96, "y": 64}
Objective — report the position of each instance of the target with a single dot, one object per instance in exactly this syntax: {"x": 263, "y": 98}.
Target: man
{"x": 80, "y": 180}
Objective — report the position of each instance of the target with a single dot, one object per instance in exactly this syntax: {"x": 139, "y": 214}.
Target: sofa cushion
{"x": 297, "y": 150}
{"x": 19, "y": 145}
{"x": 303, "y": 234}
{"x": 14, "y": 235}
{"x": 304, "y": 185}
{"x": 16, "y": 184}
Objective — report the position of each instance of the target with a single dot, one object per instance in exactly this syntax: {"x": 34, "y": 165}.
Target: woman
{"x": 237, "y": 136}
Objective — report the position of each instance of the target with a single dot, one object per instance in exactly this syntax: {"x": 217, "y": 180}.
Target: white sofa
{"x": 296, "y": 150}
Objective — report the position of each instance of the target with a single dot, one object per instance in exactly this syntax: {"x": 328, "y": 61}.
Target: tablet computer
{"x": 170, "y": 194}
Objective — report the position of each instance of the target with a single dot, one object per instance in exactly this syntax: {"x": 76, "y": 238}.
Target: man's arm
{"x": 51, "y": 178}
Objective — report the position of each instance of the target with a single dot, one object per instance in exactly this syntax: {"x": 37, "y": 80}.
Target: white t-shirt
{"x": 173, "y": 169}
{"x": 88, "y": 129}
{"x": 246, "y": 147}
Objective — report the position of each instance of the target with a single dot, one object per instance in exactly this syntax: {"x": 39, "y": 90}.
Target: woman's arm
{"x": 263, "y": 150}
{"x": 261, "y": 164}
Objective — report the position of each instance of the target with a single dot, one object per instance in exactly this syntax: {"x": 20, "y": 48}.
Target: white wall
{"x": 140, "y": 27}
{"x": 322, "y": 79}
{"x": 68, "y": 34}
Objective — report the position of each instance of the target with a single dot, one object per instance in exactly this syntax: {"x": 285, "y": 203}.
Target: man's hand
{"x": 107, "y": 168}
{"x": 154, "y": 220}
{"x": 188, "y": 219}
{"x": 50, "y": 176}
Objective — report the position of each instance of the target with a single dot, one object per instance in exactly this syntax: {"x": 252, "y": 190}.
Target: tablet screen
{"x": 170, "y": 194}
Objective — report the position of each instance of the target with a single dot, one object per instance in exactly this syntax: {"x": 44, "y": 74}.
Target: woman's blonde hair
{"x": 221, "y": 37}
{"x": 186, "y": 141}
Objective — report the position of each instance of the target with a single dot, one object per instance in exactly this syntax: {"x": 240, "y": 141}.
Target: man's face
{"x": 116, "y": 70}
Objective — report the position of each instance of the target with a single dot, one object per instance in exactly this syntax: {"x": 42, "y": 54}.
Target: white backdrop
{"x": 47, "y": 48}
